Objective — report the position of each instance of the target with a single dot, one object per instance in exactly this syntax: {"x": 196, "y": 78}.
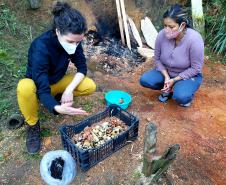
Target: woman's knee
{"x": 182, "y": 98}
{"x": 91, "y": 86}
{"x": 151, "y": 81}
{"x": 26, "y": 87}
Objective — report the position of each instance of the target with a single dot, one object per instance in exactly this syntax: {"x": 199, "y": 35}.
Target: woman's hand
{"x": 167, "y": 78}
{"x": 67, "y": 98}
{"x": 168, "y": 85}
{"x": 65, "y": 109}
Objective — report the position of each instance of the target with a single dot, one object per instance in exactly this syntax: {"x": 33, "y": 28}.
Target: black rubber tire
{"x": 15, "y": 121}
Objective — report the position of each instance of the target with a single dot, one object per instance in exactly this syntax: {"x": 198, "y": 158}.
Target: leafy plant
{"x": 216, "y": 26}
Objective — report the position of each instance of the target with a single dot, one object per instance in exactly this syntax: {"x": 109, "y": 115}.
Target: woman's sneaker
{"x": 165, "y": 96}
{"x": 33, "y": 140}
{"x": 186, "y": 104}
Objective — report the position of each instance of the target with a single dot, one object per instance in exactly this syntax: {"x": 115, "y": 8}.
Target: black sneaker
{"x": 33, "y": 141}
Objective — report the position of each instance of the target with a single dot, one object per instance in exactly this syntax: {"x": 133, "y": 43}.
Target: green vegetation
{"x": 46, "y": 132}
{"x": 36, "y": 157}
{"x": 215, "y": 18}
{"x": 9, "y": 23}
{"x": 136, "y": 174}
{"x": 14, "y": 41}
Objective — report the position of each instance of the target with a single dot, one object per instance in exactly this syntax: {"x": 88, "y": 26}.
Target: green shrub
{"x": 215, "y": 17}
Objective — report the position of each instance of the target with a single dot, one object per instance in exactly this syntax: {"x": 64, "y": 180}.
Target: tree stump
{"x": 155, "y": 166}
{"x": 35, "y": 4}
{"x": 161, "y": 164}
{"x": 149, "y": 148}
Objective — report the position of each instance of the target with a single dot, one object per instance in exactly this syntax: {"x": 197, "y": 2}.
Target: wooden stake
{"x": 156, "y": 166}
{"x": 124, "y": 17}
{"x": 120, "y": 21}
{"x": 149, "y": 148}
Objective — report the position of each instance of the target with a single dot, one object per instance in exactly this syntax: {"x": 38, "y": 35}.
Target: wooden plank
{"x": 146, "y": 52}
{"x": 124, "y": 17}
{"x": 120, "y": 21}
{"x": 149, "y": 32}
{"x": 135, "y": 32}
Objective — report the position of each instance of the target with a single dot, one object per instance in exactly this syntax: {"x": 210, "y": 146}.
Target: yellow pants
{"x": 28, "y": 101}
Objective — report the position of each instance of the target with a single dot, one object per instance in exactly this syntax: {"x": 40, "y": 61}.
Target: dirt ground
{"x": 200, "y": 130}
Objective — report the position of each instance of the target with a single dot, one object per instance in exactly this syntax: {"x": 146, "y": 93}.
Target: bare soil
{"x": 200, "y": 130}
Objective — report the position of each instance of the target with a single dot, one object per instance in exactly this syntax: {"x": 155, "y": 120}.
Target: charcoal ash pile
{"x": 110, "y": 55}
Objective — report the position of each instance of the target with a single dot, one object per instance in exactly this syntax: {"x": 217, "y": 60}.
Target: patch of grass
{"x": 136, "y": 175}
{"x": 1, "y": 136}
{"x": 78, "y": 118}
{"x": 44, "y": 115}
{"x": 88, "y": 106}
{"x": 102, "y": 101}
{"x": 213, "y": 57}
{"x": 15, "y": 38}
{"x": 46, "y": 132}
{"x": 1, "y": 159}
{"x": 9, "y": 23}
{"x": 36, "y": 157}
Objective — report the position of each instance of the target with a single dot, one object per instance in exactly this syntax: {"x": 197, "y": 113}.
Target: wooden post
{"x": 198, "y": 17}
{"x": 120, "y": 21}
{"x": 161, "y": 165}
{"x": 149, "y": 148}
{"x": 124, "y": 17}
{"x": 152, "y": 165}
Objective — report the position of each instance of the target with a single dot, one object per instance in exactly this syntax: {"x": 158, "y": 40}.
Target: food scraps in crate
{"x": 99, "y": 133}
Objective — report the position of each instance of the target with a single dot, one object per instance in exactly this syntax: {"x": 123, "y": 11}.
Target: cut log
{"x": 135, "y": 32}
{"x": 120, "y": 21}
{"x": 124, "y": 17}
{"x": 149, "y": 32}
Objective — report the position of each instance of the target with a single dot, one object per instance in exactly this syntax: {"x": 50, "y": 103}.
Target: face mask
{"x": 68, "y": 47}
{"x": 170, "y": 34}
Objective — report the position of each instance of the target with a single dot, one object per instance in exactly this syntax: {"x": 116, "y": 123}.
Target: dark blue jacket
{"x": 48, "y": 63}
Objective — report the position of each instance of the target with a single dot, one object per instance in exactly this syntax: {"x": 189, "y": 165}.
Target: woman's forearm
{"x": 165, "y": 74}
{"x": 177, "y": 78}
{"x": 74, "y": 83}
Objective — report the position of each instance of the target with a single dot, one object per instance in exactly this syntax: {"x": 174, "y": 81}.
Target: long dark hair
{"x": 179, "y": 15}
{"x": 68, "y": 20}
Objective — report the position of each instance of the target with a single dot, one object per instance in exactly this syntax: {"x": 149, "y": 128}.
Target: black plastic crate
{"x": 88, "y": 158}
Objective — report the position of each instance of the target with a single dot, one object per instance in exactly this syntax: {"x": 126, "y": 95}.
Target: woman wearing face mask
{"x": 48, "y": 59}
{"x": 179, "y": 57}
